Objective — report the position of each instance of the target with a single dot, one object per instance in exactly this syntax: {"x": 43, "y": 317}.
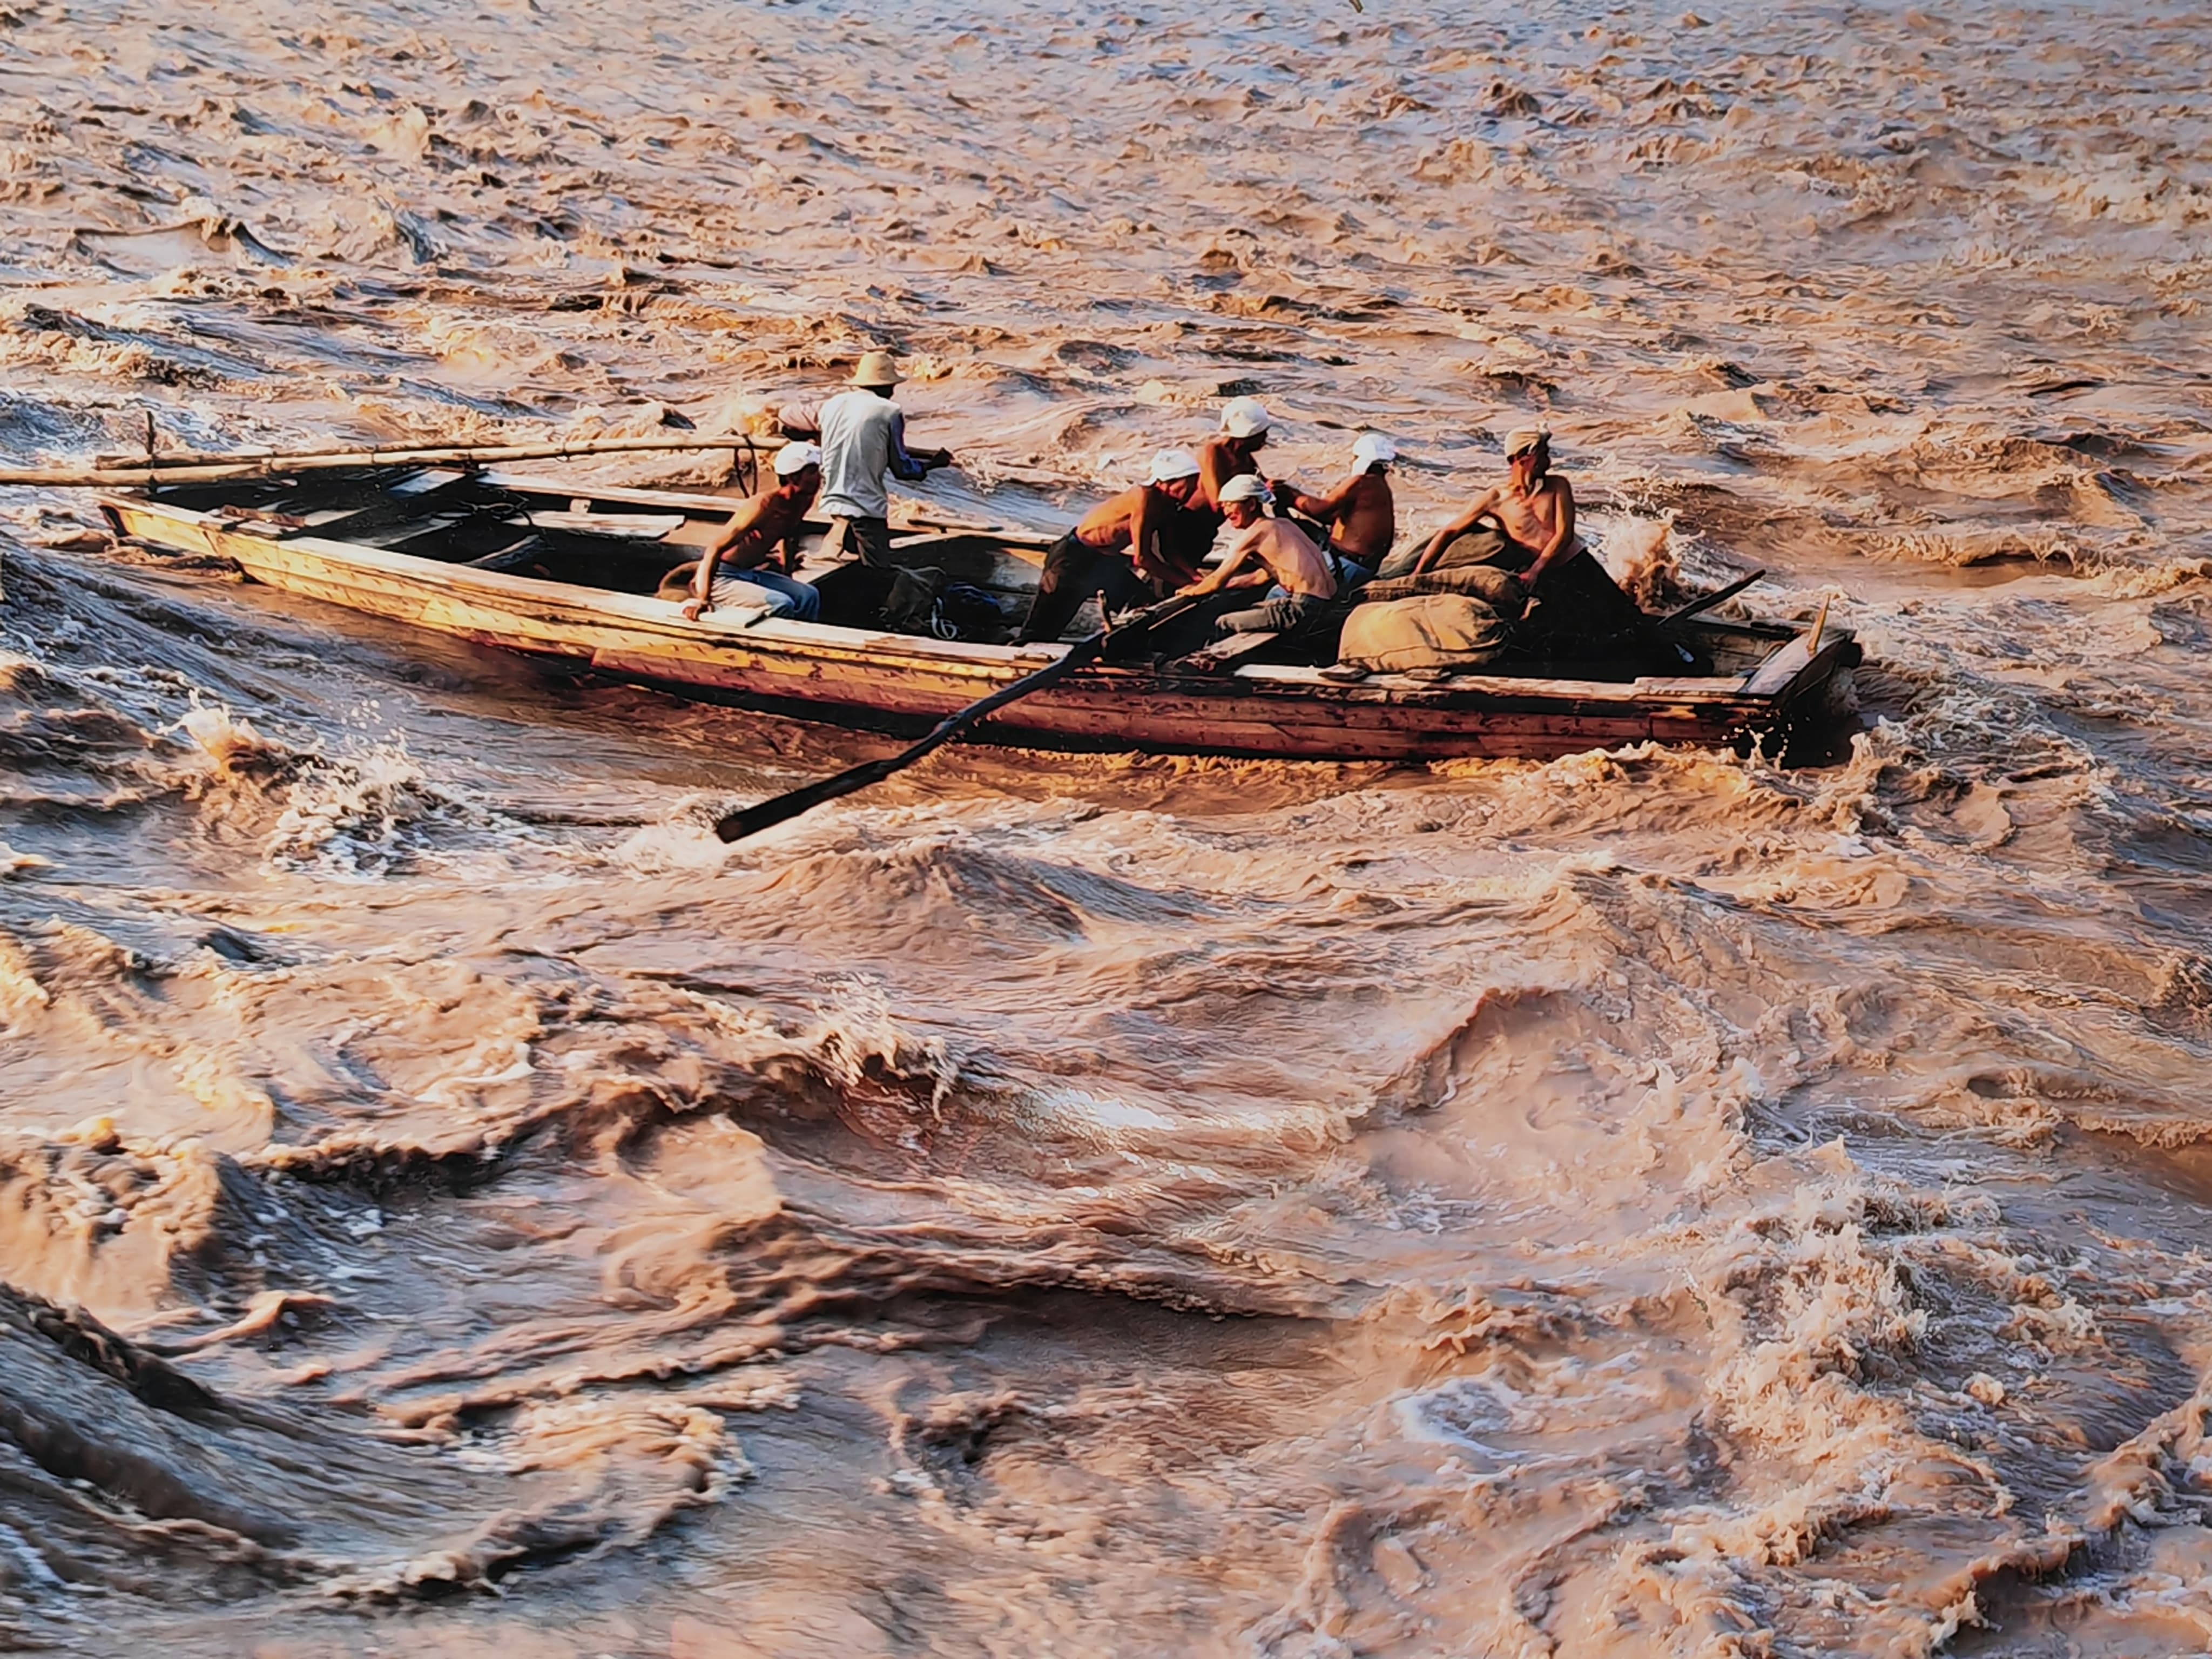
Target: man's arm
{"x": 1239, "y": 555}
{"x": 1323, "y": 508}
{"x": 1452, "y": 531}
{"x": 907, "y": 467}
{"x": 731, "y": 537}
{"x": 1562, "y": 538}
{"x": 1146, "y": 518}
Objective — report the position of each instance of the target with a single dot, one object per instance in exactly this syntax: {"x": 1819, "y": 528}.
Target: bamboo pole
{"x": 195, "y": 467}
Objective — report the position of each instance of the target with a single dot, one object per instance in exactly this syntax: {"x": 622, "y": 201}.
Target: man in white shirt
{"x": 863, "y": 438}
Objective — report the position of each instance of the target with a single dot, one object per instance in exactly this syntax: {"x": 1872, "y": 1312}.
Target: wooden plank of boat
{"x": 631, "y": 526}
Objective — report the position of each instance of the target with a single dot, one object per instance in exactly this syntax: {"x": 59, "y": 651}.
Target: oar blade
{"x": 780, "y": 809}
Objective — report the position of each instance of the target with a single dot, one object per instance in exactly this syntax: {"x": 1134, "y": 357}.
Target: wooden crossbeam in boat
{"x": 1223, "y": 656}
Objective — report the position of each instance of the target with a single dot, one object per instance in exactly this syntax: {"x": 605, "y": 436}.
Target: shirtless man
{"x": 1117, "y": 550}
{"x": 1361, "y": 513}
{"x": 1534, "y": 510}
{"x": 1267, "y": 553}
{"x": 1233, "y": 452}
{"x": 762, "y": 524}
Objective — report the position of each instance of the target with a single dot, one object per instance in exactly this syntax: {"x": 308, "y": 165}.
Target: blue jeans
{"x": 1348, "y": 571}
{"x": 799, "y": 599}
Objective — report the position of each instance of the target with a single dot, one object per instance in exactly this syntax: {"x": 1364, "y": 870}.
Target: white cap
{"x": 1245, "y": 417}
{"x": 1243, "y": 487}
{"x": 1172, "y": 464}
{"x": 1373, "y": 446}
{"x": 796, "y": 458}
{"x": 1525, "y": 437}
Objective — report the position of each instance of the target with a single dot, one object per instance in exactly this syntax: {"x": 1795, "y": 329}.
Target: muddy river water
{"x": 1652, "y": 1203}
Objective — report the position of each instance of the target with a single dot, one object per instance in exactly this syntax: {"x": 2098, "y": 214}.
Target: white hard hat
{"x": 796, "y": 458}
{"x": 1243, "y": 487}
{"x": 1373, "y": 446}
{"x": 1245, "y": 417}
{"x": 1172, "y": 464}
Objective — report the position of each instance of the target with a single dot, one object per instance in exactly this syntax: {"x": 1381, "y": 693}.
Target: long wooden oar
{"x": 1697, "y": 606}
{"x": 205, "y": 468}
{"x": 735, "y": 826}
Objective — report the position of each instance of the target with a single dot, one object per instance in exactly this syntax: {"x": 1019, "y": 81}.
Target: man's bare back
{"x": 1131, "y": 522}
{"x": 1362, "y": 516}
{"x": 760, "y": 525}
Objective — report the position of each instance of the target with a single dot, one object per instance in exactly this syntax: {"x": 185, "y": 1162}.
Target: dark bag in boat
{"x": 913, "y": 598}
{"x": 1501, "y": 590}
{"x": 1484, "y": 544}
{"x": 965, "y": 612}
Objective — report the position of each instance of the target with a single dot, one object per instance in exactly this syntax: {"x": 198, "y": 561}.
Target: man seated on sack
{"x": 1360, "y": 514}
{"x": 1526, "y": 527}
{"x": 733, "y": 570}
{"x": 1117, "y": 550}
{"x": 1267, "y": 553}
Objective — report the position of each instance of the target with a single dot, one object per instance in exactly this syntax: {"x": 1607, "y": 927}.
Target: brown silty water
{"x": 1652, "y": 1203}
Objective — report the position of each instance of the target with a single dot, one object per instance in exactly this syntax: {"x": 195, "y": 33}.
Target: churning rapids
{"x": 1653, "y": 1203}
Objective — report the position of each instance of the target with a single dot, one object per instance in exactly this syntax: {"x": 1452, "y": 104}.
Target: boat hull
{"x": 899, "y": 683}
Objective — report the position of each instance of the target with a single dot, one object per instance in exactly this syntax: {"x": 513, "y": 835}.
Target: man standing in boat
{"x": 1526, "y": 526}
{"x": 733, "y": 570}
{"x": 1117, "y": 550}
{"x": 1361, "y": 514}
{"x": 1267, "y": 553}
{"x": 863, "y": 438}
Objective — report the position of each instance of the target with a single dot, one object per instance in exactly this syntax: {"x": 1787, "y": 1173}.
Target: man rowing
{"x": 734, "y": 569}
{"x": 1526, "y": 526}
{"x": 1231, "y": 452}
{"x": 1361, "y": 514}
{"x": 1234, "y": 450}
{"x": 1267, "y": 553}
{"x": 1119, "y": 550}
{"x": 864, "y": 437}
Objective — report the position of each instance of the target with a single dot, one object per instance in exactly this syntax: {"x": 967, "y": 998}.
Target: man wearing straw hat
{"x": 863, "y": 438}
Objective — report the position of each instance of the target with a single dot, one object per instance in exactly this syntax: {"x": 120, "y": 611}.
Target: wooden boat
{"x": 562, "y": 572}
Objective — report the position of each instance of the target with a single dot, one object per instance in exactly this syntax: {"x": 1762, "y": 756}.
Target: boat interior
{"x": 645, "y": 542}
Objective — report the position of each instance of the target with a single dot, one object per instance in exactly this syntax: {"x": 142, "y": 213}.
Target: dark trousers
{"x": 1073, "y": 573}
{"x": 869, "y": 538}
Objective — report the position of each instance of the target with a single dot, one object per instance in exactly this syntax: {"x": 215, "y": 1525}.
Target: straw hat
{"x": 876, "y": 368}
